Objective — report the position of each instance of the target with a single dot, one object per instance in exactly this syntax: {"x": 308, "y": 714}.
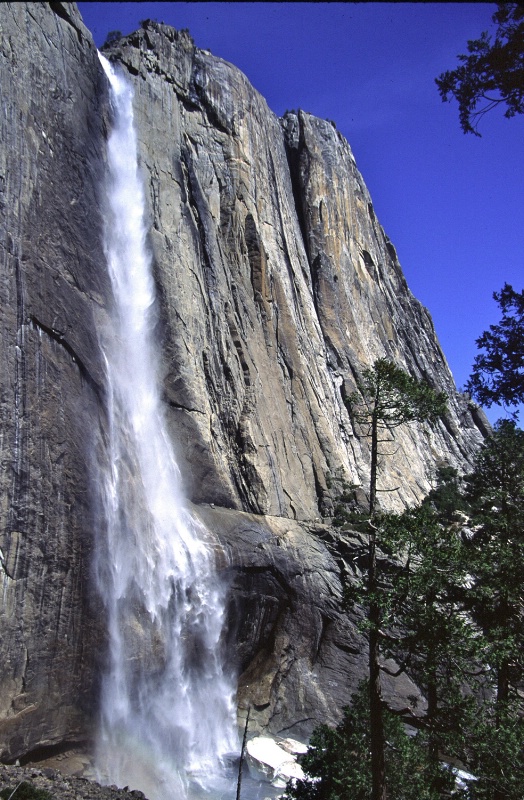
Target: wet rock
{"x": 298, "y": 656}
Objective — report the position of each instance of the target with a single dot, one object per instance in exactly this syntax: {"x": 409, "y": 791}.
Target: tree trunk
{"x": 242, "y": 753}
{"x": 502, "y": 691}
{"x": 376, "y": 720}
{"x": 432, "y": 721}
{"x": 432, "y": 712}
{"x": 378, "y": 744}
{"x": 501, "y": 705}
{"x": 374, "y": 462}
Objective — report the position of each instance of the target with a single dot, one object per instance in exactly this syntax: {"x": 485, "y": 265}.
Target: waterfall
{"x": 167, "y": 711}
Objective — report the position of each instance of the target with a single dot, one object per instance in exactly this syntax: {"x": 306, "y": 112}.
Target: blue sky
{"x": 452, "y": 204}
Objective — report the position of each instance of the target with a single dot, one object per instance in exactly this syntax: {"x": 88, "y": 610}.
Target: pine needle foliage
{"x": 498, "y": 372}
{"x": 338, "y": 761}
{"x": 492, "y": 72}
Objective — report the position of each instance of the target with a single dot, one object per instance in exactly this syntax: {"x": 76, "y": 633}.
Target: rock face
{"x": 277, "y": 287}
{"x": 52, "y": 290}
{"x": 298, "y": 656}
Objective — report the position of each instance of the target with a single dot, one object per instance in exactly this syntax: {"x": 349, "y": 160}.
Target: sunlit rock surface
{"x": 277, "y": 287}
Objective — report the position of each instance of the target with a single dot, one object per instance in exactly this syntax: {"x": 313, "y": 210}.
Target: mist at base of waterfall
{"x": 162, "y": 781}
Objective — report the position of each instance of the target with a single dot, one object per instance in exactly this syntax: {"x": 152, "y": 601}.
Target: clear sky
{"x": 452, "y": 204}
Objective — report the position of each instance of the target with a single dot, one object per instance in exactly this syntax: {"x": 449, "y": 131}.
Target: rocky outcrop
{"x": 298, "y": 655}
{"x": 277, "y": 287}
{"x": 50, "y": 783}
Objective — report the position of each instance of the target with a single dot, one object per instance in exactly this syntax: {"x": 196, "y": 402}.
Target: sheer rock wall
{"x": 277, "y": 286}
{"x": 52, "y": 290}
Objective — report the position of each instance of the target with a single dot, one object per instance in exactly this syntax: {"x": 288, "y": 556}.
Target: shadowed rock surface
{"x": 53, "y": 290}
{"x": 277, "y": 286}
{"x": 299, "y": 657}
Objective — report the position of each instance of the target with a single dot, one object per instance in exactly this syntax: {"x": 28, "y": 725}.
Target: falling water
{"x": 167, "y": 719}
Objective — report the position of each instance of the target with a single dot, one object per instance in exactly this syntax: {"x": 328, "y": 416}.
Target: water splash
{"x": 168, "y": 717}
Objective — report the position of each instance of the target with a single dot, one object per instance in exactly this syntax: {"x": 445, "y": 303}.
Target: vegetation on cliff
{"x": 449, "y": 599}
{"x": 387, "y": 397}
{"x": 443, "y": 603}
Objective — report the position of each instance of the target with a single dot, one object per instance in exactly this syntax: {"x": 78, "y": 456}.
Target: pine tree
{"x": 433, "y": 638}
{"x": 498, "y": 371}
{"x": 338, "y": 763}
{"x": 495, "y": 491}
{"x": 387, "y": 397}
{"x": 492, "y": 73}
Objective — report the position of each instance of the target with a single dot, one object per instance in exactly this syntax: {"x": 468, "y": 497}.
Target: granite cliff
{"x": 278, "y": 286}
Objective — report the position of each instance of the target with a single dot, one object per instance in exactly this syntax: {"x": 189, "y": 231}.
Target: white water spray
{"x": 168, "y": 717}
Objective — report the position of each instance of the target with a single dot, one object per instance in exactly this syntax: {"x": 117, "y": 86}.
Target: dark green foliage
{"x": 25, "y": 791}
{"x": 341, "y": 516}
{"x": 346, "y": 510}
{"x": 387, "y": 397}
{"x": 495, "y": 491}
{"x": 492, "y": 73}
{"x": 498, "y": 372}
{"x": 495, "y": 550}
{"x": 497, "y": 756}
{"x": 459, "y": 608}
{"x": 392, "y": 397}
{"x": 442, "y": 596}
{"x": 338, "y": 762}
{"x": 446, "y": 498}
{"x": 347, "y": 515}
{"x": 429, "y": 634}
{"x": 111, "y": 38}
